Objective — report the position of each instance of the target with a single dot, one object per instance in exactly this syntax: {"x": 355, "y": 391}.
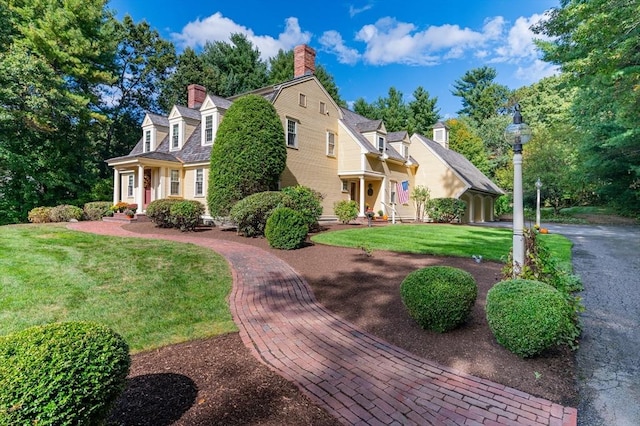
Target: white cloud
{"x": 219, "y": 28}
{"x": 353, "y": 11}
{"x": 536, "y": 70}
{"x": 390, "y": 41}
{"x": 332, "y": 42}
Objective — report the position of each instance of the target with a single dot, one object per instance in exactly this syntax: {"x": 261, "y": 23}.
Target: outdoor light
{"x": 517, "y": 134}
{"x": 538, "y": 186}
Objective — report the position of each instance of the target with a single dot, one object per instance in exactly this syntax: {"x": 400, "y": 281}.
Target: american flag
{"x": 402, "y": 188}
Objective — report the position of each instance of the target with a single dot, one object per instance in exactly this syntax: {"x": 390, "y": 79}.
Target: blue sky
{"x": 368, "y": 45}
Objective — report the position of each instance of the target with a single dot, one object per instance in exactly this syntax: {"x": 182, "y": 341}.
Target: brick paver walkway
{"x": 360, "y": 379}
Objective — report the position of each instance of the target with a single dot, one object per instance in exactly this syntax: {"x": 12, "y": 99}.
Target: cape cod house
{"x": 331, "y": 149}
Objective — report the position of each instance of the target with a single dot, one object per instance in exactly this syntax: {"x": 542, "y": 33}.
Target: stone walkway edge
{"x": 357, "y": 377}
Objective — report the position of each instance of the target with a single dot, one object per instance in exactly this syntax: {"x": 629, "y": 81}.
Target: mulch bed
{"x": 217, "y": 381}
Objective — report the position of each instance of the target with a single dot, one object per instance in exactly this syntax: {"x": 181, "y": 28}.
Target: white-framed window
{"x": 130, "y": 186}
{"x": 323, "y": 108}
{"x": 175, "y": 136}
{"x": 175, "y": 182}
{"x": 208, "y": 130}
{"x": 345, "y": 186}
{"x": 292, "y": 133}
{"x": 331, "y": 144}
{"x": 405, "y": 151}
{"x": 147, "y": 141}
{"x": 439, "y": 135}
{"x": 393, "y": 193}
{"x": 302, "y": 100}
{"x": 381, "y": 143}
{"x": 199, "y": 184}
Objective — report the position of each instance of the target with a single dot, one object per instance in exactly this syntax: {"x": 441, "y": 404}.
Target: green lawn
{"x": 152, "y": 292}
{"x": 441, "y": 240}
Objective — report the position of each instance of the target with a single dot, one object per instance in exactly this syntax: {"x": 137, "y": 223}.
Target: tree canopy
{"x": 482, "y": 97}
{"x": 604, "y": 66}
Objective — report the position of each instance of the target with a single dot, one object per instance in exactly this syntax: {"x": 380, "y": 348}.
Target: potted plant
{"x": 129, "y": 213}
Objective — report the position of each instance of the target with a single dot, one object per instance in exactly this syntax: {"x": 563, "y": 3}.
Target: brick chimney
{"x": 304, "y": 60}
{"x": 196, "y": 95}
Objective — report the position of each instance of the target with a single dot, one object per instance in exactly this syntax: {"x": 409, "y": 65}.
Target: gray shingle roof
{"x": 473, "y": 177}
{"x": 194, "y": 114}
{"x": 397, "y": 136}
{"x": 158, "y": 120}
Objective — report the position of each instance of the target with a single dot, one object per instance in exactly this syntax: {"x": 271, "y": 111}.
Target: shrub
{"x": 346, "y": 210}
{"x": 251, "y": 213}
{"x": 65, "y": 213}
{"x": 439, "y": 298}
{"x": 185, "y": 215}
{"x": 286, "y": 229}
{"x": 249, "y": 155}
{"x": 40, "y": 215}
{"x": 96, "y": 210}
{"x": 306, "y": 201}
{"x": 159, "y": 212}
{"x": 445, "y": 210}
{"x": 527, "y": 317}
{"x": 63, "y": 373}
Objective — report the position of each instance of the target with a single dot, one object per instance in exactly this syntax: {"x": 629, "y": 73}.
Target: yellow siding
{"x": 435, "y": 174}
{"x": 309, "y": 164}
{"x": 349, "y": 153}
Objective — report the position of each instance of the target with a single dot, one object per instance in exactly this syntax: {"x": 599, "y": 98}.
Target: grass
{"x": 153, "y": 293}
{"x": 441, "y": 240}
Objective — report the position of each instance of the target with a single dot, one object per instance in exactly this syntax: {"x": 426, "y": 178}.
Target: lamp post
{"x": 538, "y": 186}
{"x": 517, "y": 134}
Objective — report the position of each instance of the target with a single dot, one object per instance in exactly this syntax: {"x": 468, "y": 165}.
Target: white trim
{"x": 196, "y": 182}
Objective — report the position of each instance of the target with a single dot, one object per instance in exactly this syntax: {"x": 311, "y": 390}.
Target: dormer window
{"x": 381, "y": 144}
{"x": 175, "y": 136}
{"x": 405, "y": 151}
{"x": 147, "y": 141}
{"x": 208, "y": 130}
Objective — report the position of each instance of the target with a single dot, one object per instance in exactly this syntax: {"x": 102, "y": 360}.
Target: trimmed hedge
{"x": 445, "y": 210}
{"x": 345, "y": 210}
{"x": 251, "y": 213}
{"x": 286, "y": 229}
{"x": 96, "y": 210}
{"x": 185, "y": 215}
{"x": 159, "y": 212}
{"x": 62, "y": 373}
{"x": 439, "y": 298}
{"x": 527, "y": 317}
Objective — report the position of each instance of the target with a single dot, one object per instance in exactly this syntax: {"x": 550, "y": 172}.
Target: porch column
{"x": 116, "y": 185}
{"x": 140, "y": 192}
{"x": 161, "y": 193}
{"x": 362, "y": 206}
{"x": 472, "y": 205}
{"x": 482, "y": 205}
{"x": 383, "y": 198}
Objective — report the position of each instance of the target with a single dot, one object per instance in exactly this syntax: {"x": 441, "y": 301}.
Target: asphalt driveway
{"x": 607, "y": 258}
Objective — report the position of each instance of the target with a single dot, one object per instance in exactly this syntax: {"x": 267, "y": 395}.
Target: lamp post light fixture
{"x": 517, "y": 134}
{"x": 538, "y": 186}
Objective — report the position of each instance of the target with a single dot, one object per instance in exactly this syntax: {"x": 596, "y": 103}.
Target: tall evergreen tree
{"x": 251, "y": 139}
{"x": 482, "y": 98}
{"x": 55, "y": 57}
{"x": 423, "y": 113}
{"x": 464, "y": 140}
{"x": 237, "y": 66}
{"x": 190, "y": 69}
{"x": 143, "y": 60}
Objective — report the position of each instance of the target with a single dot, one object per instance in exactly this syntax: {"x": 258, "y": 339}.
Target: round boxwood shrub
{"x": 250, "y": 214}
{"x": 445, "y": 210}
{"x": 62, "y": 373}
{"x": 286, "y": 229}
{"x": 439, "y": 298}
{"x": 527, "y": 317}
{"x": 185, "y": 215}
{"x": 159, "y": 212}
